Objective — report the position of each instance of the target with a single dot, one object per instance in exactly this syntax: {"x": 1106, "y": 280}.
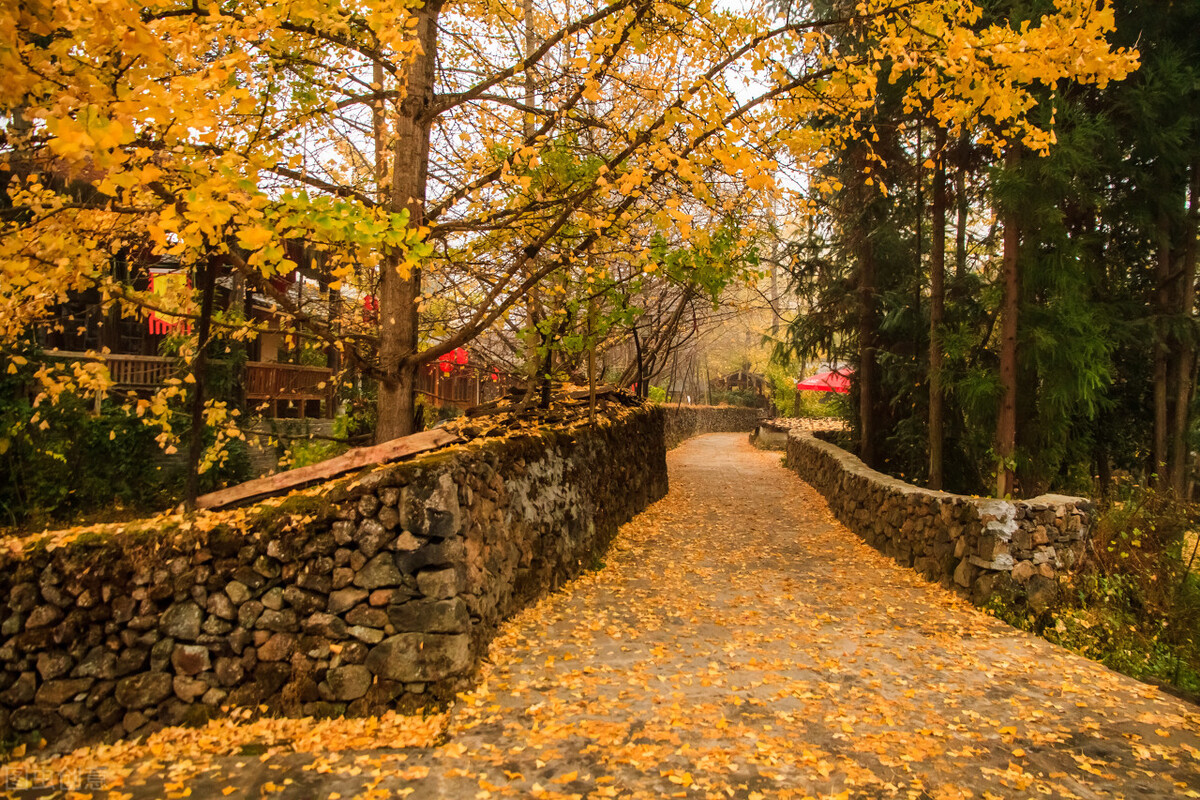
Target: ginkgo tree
{"x": 403, "y": 141}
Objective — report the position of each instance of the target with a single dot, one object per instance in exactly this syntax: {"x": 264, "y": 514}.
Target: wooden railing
{"x": 265, "y": 382}
{"x": 127, "y": 372}
{"x": 289, "y": 382}
{"x": 461, "y": 388}
{"x": 273, "y": 383}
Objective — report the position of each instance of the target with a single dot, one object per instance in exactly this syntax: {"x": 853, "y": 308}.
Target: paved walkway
{"x": 740, "y": 643}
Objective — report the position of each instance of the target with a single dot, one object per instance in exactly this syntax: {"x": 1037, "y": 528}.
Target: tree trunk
{"x": 591, "y": 323}
{"x": 208, "y": 281}
{"x": 640, "y": 391}
{"x": 919, "y": 283}
{"x": 398, "y": 292}
{"x": 960, "y": 198}
{"x": 1162, "y": 300}
{"x": 867, "y": 336}
{"x": 1006, "y": 420}
{"x": 937, "y": 307}
{"x": 1184, "y": 386}
{"x": 868, "y": 322}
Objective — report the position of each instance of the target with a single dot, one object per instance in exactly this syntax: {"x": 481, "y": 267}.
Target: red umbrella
{"x": 826, "y": 382}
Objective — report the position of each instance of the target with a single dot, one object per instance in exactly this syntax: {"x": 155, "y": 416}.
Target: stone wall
{"x": 684, "y": 422}
{"x": 1014, "y": 551}
{"x": 772, "y": 433}
{"x": 378, "y": 590}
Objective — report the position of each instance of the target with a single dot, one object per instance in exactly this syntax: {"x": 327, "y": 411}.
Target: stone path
{"x": 740, "y": 643}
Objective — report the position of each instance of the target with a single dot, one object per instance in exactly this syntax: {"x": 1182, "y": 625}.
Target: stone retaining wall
{"x": 379, "y": 590}
{"x": 684, "y": 422}
{"x": 985, "y": 548}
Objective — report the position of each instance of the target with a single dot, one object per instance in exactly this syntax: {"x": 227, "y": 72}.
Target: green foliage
{"x": 63, "y": 461}
{"x": 782, "y": 374}
{"x": 657, "y": 394}
{"x": 735, "y": 397}
{"x": 305, "y": 452}
{"x": 710, "y": 267}
{"x": 1135, "y": 606}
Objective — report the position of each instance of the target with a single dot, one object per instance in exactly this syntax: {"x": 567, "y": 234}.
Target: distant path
{"x": 740, "y": 642}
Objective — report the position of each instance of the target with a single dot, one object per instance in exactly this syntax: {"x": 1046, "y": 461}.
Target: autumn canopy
{"x": 465, "y": 166}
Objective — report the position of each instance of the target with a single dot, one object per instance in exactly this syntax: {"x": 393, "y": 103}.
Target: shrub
{"x": 1135, "y": 603}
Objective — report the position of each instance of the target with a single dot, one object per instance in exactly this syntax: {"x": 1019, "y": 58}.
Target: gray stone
{"x": 368, "y": 504}
{"x": 182, "y": 621}
{"x": 431, "y": 616}
{"x": 189, "y": 659}
{"x": 238, "y": 592}
{"x": 1023, "y": 571}
{"x": 963, "y": 573}
{"x": 327, "y": 625}
{"x": 221, "y": 606}
{"x": 43, "y": 616}
{"x": 388, "y": 517}
{"x": 272, "y": 620}
{"x": 133, "y": 721}
{"x": 188, "y": 689}
{"x": 54, "y": 693}
{"x": 442, "y": 511}
{"x": 364, "y": 634}
{"x": 420, "y": 657}
{"x": 1046, "y": 555}
{"x": 160, "y": 654}
{"x": 1002, "y": 562}
{"x": 343, "y": 532}
{"x": 367, "y": 616}
{"x": 371, "y": 537}
{"x": 348, "y": 683}
{"x": 98, "y": 663}
{"x": 437, "y": 554}
{"x": 144, "y": 690}
{"x": 304, "y": 602}
{"x": 406, "y": 542}
{"x": 267, "y": 567}
{"x": 214, "y": 697}
{"x": 379, "y": 571}
{"x": 249, "y": 613}
{"x": 272, "y": 598}
{"x": 24, "y": 597}
{"x": 1042, "y": 592}
{"x": 131, "y": 659}
{"x": 277, "y": 648}
{"x": 439, "y": 583}
{"x": 230, "y": 671}
{"x": 52, "y": 664}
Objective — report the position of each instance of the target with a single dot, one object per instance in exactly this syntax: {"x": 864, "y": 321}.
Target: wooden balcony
{"x": 279, "y": 389}
{"x": 290, "y": 389}
{"x": 462, "y": 388}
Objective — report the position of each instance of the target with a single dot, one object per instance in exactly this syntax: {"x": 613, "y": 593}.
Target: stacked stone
{"x": 684, "y": 422}
{"x": 986, "y": 548}
{"x": 383, "y": 593}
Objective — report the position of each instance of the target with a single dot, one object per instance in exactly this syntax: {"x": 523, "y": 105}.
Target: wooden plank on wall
{"x": 354, "y": 459}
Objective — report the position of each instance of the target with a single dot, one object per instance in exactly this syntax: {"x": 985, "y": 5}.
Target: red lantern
{"x": 456, "y": 357}
{"x": 370, "y": 308}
